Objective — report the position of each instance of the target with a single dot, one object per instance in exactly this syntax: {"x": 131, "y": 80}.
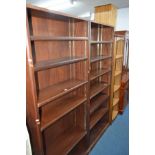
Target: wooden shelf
{"x": 65, "y": 142}
{"x": 115, "y": 101}
{"x": 101, "y": 42}
{"x": 117, "y": 73}
{"x": 96, "y": 74}
{"x": 119, "y": 56}
{"x": 56, "y": 112}
{"x": 114, "y": 114}
{"x": 97, "y": 101}
{"x": 52, "y": 92}
{"x": 99, "y": 58}
{"x": 116, "y": 87}
{"x": 96, "y": 116}
{"x": 96, "y": 133}
{"x": 56, "y": 63}
{"x": 44, "y": 38}
{"x": 97, "y": 88}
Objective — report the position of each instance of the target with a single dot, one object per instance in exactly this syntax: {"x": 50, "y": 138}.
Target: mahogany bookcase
{"x": 68, "y": 66}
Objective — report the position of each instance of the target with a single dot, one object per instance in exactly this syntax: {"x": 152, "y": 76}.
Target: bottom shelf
{"x": 86, "y": 145}
{"x": 114, "y": 114}
{"x": 64, "y": 144}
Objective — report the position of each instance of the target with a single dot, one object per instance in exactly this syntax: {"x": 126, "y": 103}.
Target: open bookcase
{"x": 100, "y": 67}
{"x": 116, "y": 74}
{"x": 69, "y": 64}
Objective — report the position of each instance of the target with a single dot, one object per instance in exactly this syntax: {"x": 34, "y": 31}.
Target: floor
{"x": 115, "y": 140}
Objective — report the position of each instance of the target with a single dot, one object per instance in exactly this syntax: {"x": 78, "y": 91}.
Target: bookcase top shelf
{"x": 48, "y": 38}
{"x": 50, "y": 12}
{"x": 57, "y": 62}
{"x": 53, "y": 92}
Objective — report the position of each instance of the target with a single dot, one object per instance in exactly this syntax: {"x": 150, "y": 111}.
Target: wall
{"x": 122, "y": 22}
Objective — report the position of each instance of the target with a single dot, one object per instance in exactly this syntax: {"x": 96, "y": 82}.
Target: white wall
{"x": 122, "y": 22}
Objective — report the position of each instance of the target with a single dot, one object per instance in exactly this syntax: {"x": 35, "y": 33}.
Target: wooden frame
{"x": 69, "y": 64}
{"x": 116, "y": 75}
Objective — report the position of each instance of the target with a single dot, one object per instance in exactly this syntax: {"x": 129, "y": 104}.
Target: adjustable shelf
{"x": 116, "y": 87}
{"x": 115, "y": 101}
{"x": 97, "y": 88}
{"x": 60, "y": 107}
{"x": 52, "y": 92}
{"x": 70, "y": 128}
{"x": 118, "y": 73}
{"x": 99, "y": 58}
{"x": 101, "y": 42}
{"x": 114, "y": 114}
{"x": 70, "y": 138}
{"x": 57, "y": 63}
{"x": 48, "y": 38}
{"x": 97, "y": 101}
{"x": 95, "y": 74}
{"x": 96, "y": 116}
{"x": 98, "y": 130}
{"x": 119, "y": 56}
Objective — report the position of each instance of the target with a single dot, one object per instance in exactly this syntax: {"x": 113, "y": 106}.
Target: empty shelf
{"x": 116, "y": 87}
{"x": 56, "y": 112}
{"x": 118, "y": 73}
{"x": 96, "y": 74}
{"x": 96, "y": 116}
{"x": 97, "y": 101}
{"x": 65, "y": 142}
{"x": 44, "y": 38}
{"x": 119, "y": 56}
{"x": 96, "y": 133}
{"x": 97, "y": 88}
{"x": 99, "y": 58}
{"x": 114, "y": 114}
{"x": 57, "y": 62}
{"x": 115, "y": 101}
{"x": 52, "y": 92}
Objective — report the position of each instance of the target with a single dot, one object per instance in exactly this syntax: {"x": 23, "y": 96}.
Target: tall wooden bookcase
{"x": 69, "y": 63}
{"x": 116, "y": 74}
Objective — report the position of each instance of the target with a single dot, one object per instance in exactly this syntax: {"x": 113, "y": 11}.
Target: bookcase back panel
{"x": 120, "y": 46}
{"x": 106, "y": 49}
{"x": 80, "y": 28}
{"x": 106, "y": 91}
{"x": 95, "y": 50}
{"x": 53, "y": 76}
{"x": 79, "y": 71}
{"x": 107, "y": 34}
{"x": 48, "y": 50}
{"x": 48, "y": 25}
{"x": 80, "y": 48}
{"x": 94, "y": 34}
{"x": 95, "y": 66}
{"x": 117, "y": 80}
{"x": 106, "y": 78}
{"x": 107, "y": 63}
{"x": 118, "y": 65}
